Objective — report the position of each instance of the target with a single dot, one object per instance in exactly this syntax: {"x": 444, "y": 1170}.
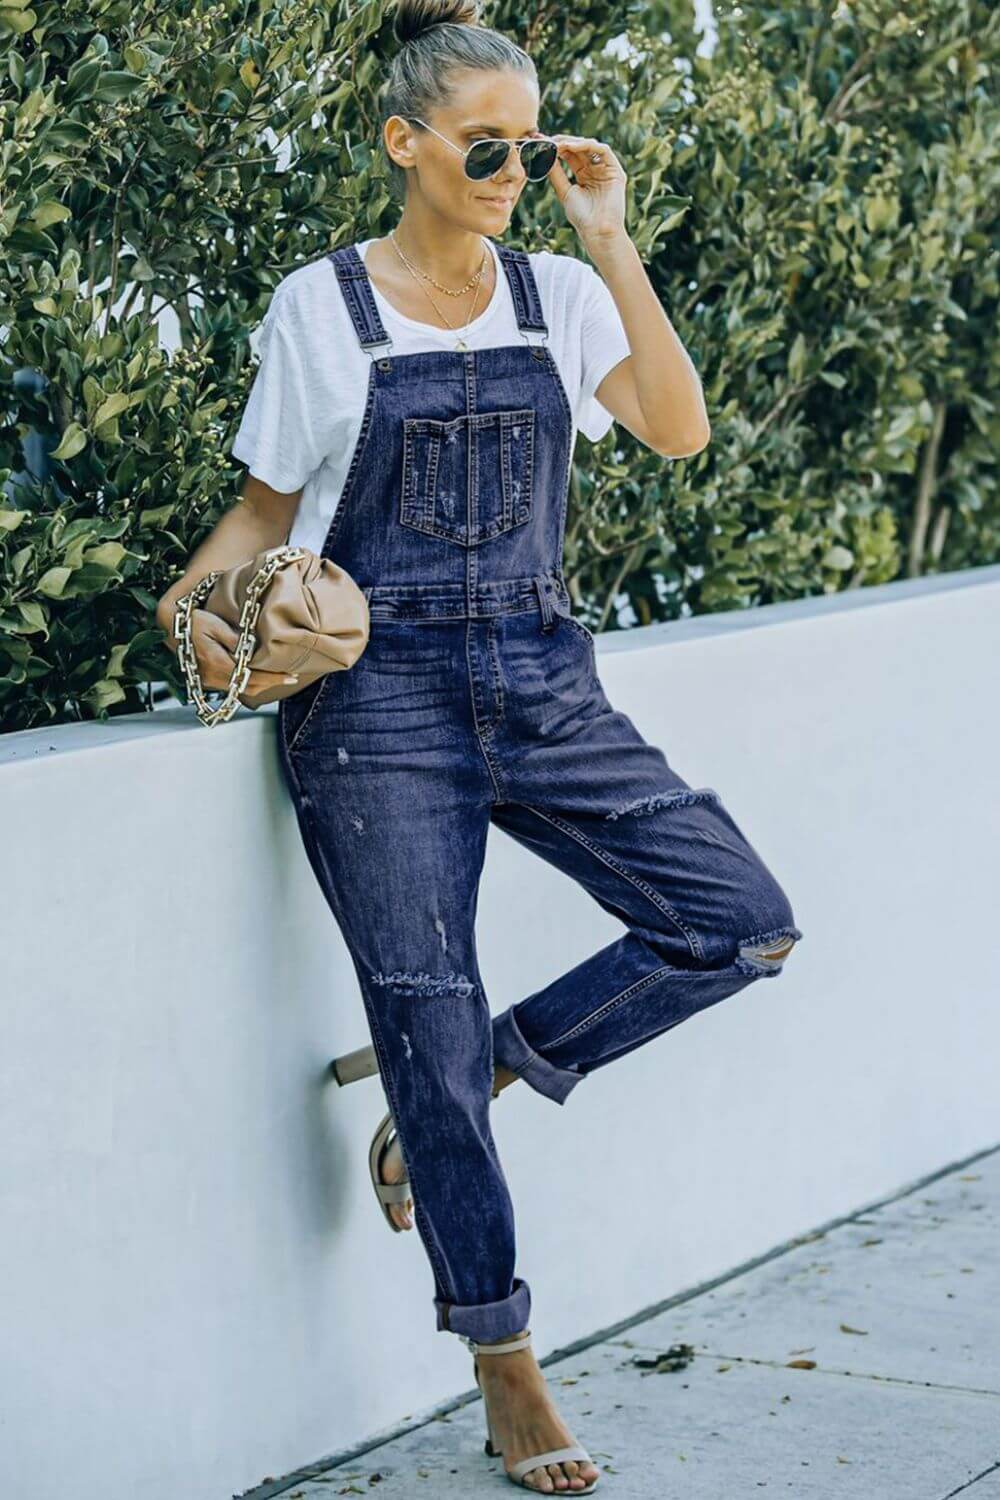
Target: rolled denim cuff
{"x": 513, "y": 1052}
{"x": 487, "y": 1320}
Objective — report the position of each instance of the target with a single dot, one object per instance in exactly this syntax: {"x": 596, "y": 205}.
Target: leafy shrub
{"x": 815, "y": 201}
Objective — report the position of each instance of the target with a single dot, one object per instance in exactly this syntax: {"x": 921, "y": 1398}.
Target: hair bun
{"x": 414, "y": 17}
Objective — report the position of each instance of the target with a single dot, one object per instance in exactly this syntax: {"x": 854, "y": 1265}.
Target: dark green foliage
{"x": 815, "y": 202}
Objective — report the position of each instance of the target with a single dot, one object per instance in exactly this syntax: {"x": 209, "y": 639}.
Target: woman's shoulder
{"x": 306, "y": 291}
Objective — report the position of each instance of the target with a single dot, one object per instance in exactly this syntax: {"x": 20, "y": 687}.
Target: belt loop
{"x": 545, "y": 603}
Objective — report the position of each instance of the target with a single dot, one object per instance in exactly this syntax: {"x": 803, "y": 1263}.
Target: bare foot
{"x": 525, "y": 1421}
{"x": 393, "y": 1170}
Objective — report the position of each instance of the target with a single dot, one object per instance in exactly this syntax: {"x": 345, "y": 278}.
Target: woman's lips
{"x": 498, "y": 202}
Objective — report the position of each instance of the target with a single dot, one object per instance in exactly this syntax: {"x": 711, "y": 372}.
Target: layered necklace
{"x": 475, "y": 281}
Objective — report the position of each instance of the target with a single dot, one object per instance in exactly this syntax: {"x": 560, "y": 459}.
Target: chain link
{"x": 246, "y": 645}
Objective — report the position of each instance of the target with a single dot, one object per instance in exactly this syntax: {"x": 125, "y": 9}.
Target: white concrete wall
{"x": 196, "y": 1287}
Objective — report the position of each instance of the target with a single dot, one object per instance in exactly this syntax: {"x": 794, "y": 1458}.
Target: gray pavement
{"x": 861, "y": 1361}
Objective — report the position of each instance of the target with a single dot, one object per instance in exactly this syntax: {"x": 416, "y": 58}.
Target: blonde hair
{"x": 437, "y": 38}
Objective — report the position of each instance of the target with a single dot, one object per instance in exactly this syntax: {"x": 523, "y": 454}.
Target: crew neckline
{"x": 389, "y": 312}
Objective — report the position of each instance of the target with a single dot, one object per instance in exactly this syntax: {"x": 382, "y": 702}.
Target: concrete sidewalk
{"x": 861, "y": 1361}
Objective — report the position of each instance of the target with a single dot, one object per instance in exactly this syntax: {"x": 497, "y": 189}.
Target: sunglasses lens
{"x": 485, "y": 158}
{"x": 538, "y": 158}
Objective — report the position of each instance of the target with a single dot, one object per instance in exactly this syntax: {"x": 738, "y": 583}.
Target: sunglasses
{"x": 484, "y": 158}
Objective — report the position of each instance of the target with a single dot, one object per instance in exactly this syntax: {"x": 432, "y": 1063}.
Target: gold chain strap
{"x": 246, "y": 645}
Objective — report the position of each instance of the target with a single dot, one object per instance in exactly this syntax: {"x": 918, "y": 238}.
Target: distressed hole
{"x": 683, "y": 798}
{"x": 767, "y": 955}
{"x": 357, "y": 823}
{"x": 424, "y": 984}
{"x": 342, "y": 755}
{"x": 439, "y": 925}
{"x": 406, "y": 1044}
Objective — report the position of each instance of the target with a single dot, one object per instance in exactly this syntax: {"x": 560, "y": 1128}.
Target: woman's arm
{"x": 656, "y": 392}
{"x": 259, "y": 519}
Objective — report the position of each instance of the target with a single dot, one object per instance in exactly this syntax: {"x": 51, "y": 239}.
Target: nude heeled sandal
{"x": 516, "y": 1474}
{"x": 362, "y": 1063}
{"x": 386, "y": 1192}
{"x": 346, "y": 1069}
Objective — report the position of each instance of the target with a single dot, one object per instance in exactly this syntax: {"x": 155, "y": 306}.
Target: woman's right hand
{"x": 214, "y": 642}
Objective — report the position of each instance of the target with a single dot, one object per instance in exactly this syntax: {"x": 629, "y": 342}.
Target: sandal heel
{"x": 361, "y": 1063}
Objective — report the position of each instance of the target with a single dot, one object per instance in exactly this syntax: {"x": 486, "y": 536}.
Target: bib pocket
{"x": 470, "y": 479}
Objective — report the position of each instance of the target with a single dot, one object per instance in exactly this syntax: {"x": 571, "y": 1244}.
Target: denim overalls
{"x": 478, "y": 701}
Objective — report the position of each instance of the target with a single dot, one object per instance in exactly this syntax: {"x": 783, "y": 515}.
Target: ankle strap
{"x": 506, "y": 1348}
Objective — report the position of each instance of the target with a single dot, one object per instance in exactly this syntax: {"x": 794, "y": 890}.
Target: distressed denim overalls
{"x": 477, "y": 701}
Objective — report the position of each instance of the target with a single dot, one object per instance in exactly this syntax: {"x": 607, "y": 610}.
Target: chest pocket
{"x": 470, "y": 479}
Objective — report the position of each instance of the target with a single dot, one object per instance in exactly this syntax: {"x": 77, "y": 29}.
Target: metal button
{"x": 383, "y": 364}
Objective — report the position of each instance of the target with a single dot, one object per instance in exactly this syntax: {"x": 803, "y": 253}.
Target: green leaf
{"x": 54, "y": 581}
{"x": 113, "y": 86}
{"x": 18, "y": 21}
{"x": 50, "y": 212}
{"x": 34, "y": 615}
{"x": 106, "y": 555}
{"x": 103, "y": 693}
{"x": 73, "y": 440}
{"x": 110, "y": 408}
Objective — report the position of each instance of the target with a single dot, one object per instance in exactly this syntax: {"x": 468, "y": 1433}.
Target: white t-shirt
{"x": 303, "y": 415}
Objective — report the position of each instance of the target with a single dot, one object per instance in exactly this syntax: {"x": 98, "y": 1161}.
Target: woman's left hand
{"x": 595, "y": 202}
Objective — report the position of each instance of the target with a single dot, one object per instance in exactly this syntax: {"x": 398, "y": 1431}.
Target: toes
{"x": 558, "y": 1477}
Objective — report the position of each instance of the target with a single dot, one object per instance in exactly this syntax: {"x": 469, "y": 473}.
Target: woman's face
{"x": 483, "y": 104}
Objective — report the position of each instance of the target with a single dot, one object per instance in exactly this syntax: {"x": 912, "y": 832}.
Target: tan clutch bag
{"x": 295, "y": 612}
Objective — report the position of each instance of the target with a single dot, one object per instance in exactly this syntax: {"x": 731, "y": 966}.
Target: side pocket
{"x": 299, "y": 710}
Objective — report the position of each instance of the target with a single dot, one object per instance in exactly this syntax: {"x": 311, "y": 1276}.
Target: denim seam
{"x": 491, "y": 636}
{"x": 563, "y": 493}
{"x": 609, "y": 1005}
{"x": 691, "y": 937}
{"x": 484, "y": 748}
{"x": 418, "y": 1214}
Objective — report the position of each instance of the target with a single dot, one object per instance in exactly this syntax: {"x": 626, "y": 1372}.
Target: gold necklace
{"x": 460, "y": 342}
{"x": 415, "y": 270}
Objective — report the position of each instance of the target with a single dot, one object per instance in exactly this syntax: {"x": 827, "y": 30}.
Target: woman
{"x": 414, "y": 417}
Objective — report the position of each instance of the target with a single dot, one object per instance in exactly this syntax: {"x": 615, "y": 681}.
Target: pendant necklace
{"x": 477, "y": 279}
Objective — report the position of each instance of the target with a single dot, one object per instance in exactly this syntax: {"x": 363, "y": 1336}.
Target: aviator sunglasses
{"x": 485, "y": 158}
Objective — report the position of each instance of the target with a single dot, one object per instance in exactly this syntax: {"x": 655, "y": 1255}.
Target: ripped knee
{"x": 766, "y": 954}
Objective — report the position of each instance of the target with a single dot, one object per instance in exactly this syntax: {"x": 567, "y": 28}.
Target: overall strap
{"x": 523, "y": 289}
{"x": 356, "y": 287}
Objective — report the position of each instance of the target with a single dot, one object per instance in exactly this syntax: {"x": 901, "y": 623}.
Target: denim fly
{"x": 477, "y": 701}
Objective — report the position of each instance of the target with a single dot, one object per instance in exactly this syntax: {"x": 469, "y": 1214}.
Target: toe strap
{"x": 554, "y": 1456}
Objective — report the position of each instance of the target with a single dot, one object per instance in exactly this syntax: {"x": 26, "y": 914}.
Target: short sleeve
{"x": 604, "y": 344}
{"x": 282, "y": 437}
